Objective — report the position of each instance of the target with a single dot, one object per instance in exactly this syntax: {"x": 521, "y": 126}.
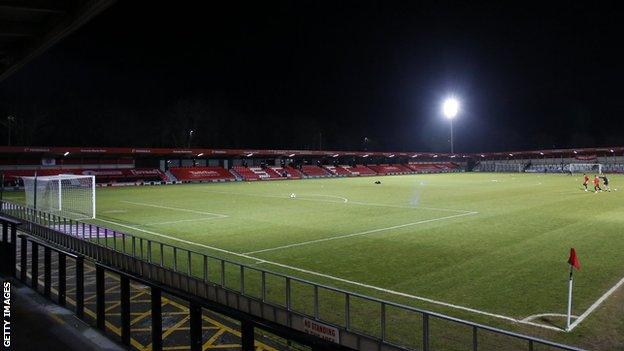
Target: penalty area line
{"x": 350, "y": 282}
{"x": 367, "y": 232}
{"x": 175, "y": 209}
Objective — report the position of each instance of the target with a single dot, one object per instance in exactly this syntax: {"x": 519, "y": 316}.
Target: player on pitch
{"x": 585, "y": 181}
{"x": 596, "y": 184}
{"x": 605, "y": 182}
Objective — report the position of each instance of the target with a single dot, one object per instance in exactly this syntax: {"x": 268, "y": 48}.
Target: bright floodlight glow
{"x": 450, "y": 108}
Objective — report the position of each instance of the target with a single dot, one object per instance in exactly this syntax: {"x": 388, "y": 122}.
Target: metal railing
{"x": 68, "y": 268}
{"x": 391, "y": 323}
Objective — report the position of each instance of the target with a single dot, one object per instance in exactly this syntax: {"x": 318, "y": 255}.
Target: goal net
{"x": 508, "y": 167}
{"x": 66, "y": 194}
{"x": 584, "y": 168}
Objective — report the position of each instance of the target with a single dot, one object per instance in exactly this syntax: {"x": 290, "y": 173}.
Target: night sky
{"x": 284, "y": 74}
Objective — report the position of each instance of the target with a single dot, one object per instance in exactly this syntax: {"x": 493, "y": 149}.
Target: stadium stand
{"x": 338, "y": 171}
{"x": 103, "y": 175}
{"x": 200, "y": 174}
{"x": 314, "y": 171}
{"x": 245, "y": 173}
{"x": 257, "y": 173}
{"x": 433, "y": 167}
{"x": 291, "y": 172}
{"x": 385, "y": 169}
{"x": 360, "y": 170}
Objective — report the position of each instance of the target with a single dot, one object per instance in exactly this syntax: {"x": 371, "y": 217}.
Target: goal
{"x": 66, "y": 194}
{"x": 584, "y": 168}
{"x": 509, "y": 167}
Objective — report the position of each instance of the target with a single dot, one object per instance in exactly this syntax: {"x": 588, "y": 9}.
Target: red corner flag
{"x": 573, "y": 260}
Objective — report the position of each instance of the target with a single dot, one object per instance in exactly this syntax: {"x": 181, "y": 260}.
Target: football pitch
{"x": 486, "y": 247}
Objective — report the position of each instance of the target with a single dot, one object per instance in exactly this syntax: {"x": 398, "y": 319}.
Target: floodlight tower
{"x": 450, "y": 108}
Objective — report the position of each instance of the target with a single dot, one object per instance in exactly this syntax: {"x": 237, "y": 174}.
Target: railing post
{"x": 316, "y": 302}
{"x": 100, "y": 294}
{"x": 247, "y": 336}
{"x": 425, "y": 331}
{"x": 13, "y": 248}
{"x": 347, "y": 307}
{"x": 383, "y": 321}
{"x": 263, "y": 286}
{"x": 4, "y": 249}
{"x": 62, "y": 278}
{"x": 24, "y": 258}
{"x": 175, "y": 259}
{"x": 205, "y": 268}
{"x": 156, "y": 319}
{"x": 530, "y": 345}
{"x": 242, "y": 280}
{"x": 47, "y": 271}
{"x": 222, "y": 273}
{"x": 34, "y": 265}
{"x": 80, "y": 287}
{"x": 195, "y": 314}
{"x": 124, "y": 296}
{"x": 475, "y": 340}
{"x": 288, "y": 293}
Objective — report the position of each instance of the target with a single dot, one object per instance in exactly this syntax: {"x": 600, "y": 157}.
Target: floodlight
{"x": 450, "y": 107}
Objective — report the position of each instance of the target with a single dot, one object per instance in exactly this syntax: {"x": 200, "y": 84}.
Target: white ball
{"x": 293, "y": 195}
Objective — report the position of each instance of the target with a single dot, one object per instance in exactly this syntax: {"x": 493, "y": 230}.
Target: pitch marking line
{"x": 372, "y": 231}
{"x": 339, "y": 202}
{"x": 596, "y": 304}
{"x": 175, "y": 209}
{"x": 351, "y": 282}
{"x": 182, "y": 221}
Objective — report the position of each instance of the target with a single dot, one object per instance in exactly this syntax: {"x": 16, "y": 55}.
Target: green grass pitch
{"x": 477, "y": 246}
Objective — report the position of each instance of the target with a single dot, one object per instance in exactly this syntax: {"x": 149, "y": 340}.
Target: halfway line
{"x": 372, "y": 231}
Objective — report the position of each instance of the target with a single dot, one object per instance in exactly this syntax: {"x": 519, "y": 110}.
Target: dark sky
{"x": 275, "y": 74}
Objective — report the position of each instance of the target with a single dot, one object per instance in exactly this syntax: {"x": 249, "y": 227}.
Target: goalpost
{"x": 65, "y": 194}
{"x": 585, "y": 168}
{"x": 509, "y": 167}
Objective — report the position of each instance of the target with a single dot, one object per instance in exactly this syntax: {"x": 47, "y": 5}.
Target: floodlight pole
{"x": 452, "y": 136}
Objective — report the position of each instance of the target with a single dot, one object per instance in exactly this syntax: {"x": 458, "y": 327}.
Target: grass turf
{"x": 492, "y": 242}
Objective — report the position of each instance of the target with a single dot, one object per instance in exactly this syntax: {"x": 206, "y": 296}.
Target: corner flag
{"x": 574, "y": 264}
{"x": 573, "y": 260}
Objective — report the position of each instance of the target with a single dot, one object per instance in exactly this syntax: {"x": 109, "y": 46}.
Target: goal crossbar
{"x": 67, "y": 194}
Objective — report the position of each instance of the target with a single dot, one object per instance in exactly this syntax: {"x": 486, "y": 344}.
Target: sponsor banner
{"x": 323, "y": 331}
{"x": 586, "y": 157}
